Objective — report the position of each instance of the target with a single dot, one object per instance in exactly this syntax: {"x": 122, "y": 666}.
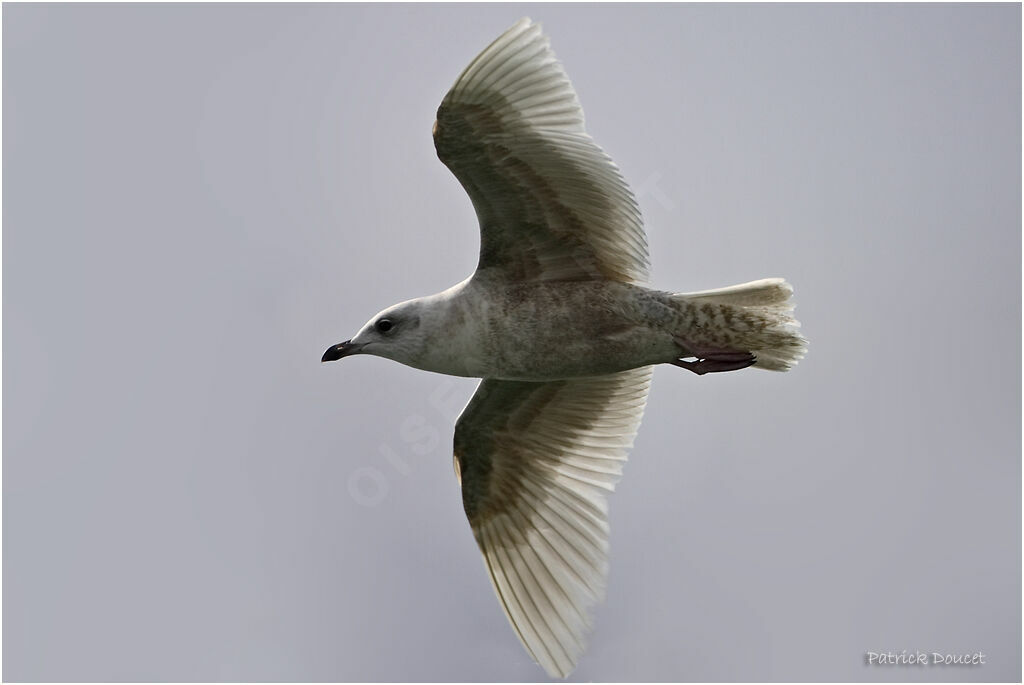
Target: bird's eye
{"x": 384, "y": 325}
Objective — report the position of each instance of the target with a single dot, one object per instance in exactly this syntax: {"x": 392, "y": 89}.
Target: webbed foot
{"x": 717, "y": 362}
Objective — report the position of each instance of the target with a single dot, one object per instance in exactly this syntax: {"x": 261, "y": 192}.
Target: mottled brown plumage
{"x": 559, "y": 323}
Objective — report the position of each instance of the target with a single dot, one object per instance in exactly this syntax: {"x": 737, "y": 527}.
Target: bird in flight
{"x": 559, "y": 323}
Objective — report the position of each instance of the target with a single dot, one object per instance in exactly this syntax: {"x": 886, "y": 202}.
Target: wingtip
{"x": 558, "y": 673}
{"x": 527, "y": 24}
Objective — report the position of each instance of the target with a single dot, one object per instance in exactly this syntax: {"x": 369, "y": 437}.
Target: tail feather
{"x": 753, "y": 317}
{"x": 765, "y": 292}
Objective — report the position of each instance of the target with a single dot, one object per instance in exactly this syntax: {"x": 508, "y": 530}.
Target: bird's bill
{"x": 336, "y": 352}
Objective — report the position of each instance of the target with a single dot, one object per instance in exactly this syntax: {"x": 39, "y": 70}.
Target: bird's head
{"x": 394, "y": 333}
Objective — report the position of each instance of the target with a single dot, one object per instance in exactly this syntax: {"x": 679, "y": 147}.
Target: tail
{"x": 751, "y": 317}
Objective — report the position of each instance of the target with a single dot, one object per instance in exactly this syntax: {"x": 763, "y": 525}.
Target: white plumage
{"x": 558, "y": 321}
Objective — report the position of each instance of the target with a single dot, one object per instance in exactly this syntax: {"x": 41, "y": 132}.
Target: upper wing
{"x": 534, "y": 461}
{"x": 551, "y": 204}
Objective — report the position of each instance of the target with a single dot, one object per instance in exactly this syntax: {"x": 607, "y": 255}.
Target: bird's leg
{"x": 716, "y": 361}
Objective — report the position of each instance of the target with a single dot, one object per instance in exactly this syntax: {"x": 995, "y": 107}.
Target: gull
{"x": 560, "y": 325}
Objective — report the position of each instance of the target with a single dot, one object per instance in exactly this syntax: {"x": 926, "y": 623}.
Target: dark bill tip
{"x": 336, "y": 352}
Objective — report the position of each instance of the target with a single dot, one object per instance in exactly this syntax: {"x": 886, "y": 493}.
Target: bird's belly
{"x": 540, "y": 332}
{"x": 542, "y": 360}
{"x": 549, "y": 347}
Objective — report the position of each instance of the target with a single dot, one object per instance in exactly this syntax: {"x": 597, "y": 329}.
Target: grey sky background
{"x": 199, "y": 199}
